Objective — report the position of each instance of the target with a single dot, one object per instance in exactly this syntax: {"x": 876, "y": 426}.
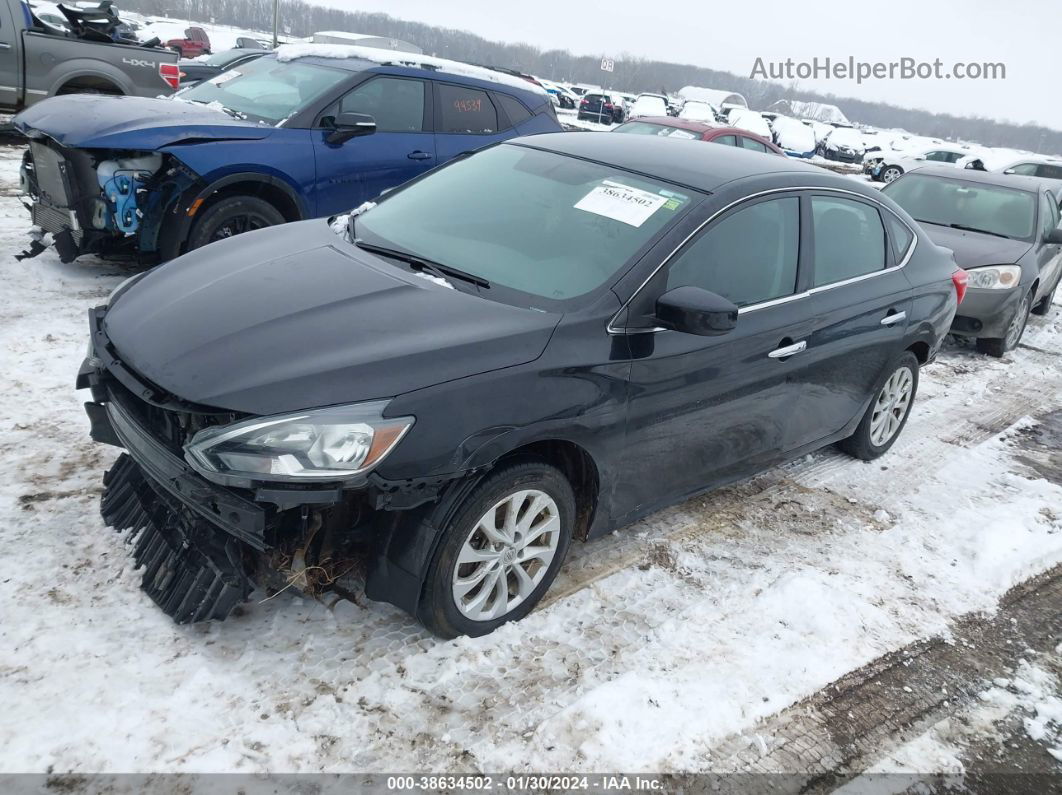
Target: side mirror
{"x": 693, "y": 310}
{"x": 1009, "y": 171}
{"x": 1054, "y": 236}
{"x": 350, "y": 125}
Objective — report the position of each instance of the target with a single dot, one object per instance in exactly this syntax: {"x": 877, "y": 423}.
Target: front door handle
{"x": 788, "y": 350}
{"x": 4, "y": 45}
{"x": 418, "y": 155}
{"x": 895, "y": 317}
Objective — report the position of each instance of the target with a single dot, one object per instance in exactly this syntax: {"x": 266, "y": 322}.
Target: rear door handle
{"x": 4, "y": 45}
{"x": 418, "y": 155}
{"x": 788, "y": 350}
{"x": 895, "y": 317}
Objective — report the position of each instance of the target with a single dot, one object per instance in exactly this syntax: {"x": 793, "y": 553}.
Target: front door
{"x": 706, "y": 409}
{"x": 361, "y": 168}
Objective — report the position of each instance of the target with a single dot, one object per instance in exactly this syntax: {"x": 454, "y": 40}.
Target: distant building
{"x": 715, "y": 97}
{"x": 365, "y": 40}
{"x": 817, "y": 111}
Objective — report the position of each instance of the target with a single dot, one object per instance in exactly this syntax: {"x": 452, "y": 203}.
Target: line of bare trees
{"x": 299, "y": 18}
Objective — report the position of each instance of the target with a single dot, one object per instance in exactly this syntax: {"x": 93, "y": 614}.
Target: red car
{"x": 195, "y": 42}
{"x": 687, "y": 128}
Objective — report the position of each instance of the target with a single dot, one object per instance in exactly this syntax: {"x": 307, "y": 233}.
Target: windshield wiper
{"x": 423, "y": 265}
{"x": 982, "y": 231}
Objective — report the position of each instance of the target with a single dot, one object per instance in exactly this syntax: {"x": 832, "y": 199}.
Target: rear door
{"x": 466, "y": 119}
{"x": 860, "y": 298}
{"x": 10, "y": 60}
{"x": 402, "y": 147}
{"x": 705, "y": 409}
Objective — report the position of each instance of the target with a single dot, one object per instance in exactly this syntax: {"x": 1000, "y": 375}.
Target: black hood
{"x": 293, "y": 317}
{"x": 976, "y": 249}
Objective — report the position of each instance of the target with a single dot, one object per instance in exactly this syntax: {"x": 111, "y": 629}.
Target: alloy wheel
{"x": 237, "y": 225}
{"x": 891, "y": 406}
{"x": 1017, "y": 324}
{"x": 890, "y": 175}
{"x": 506, "y": 555}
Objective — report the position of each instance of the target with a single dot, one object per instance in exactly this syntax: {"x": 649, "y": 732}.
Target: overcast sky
{"x": 1025, "y": 35}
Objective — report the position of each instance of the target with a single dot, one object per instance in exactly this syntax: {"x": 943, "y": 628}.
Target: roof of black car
{"x": 1016, "y": 181}
{"x": 697, "y": 164}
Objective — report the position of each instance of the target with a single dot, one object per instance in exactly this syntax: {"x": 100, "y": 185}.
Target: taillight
{"x": 608, "y": 106}
{"x": 584, "y": 102}
{"x": 170, "y": 74}
{"x": 960, "y": 279}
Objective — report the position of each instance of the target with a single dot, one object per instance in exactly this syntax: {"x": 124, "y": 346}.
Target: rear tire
{"x": 999, "y": 347}
{"x": 231, "y": 216}
{"x": 472, "y": 578}
{"x": 1044, "y": 307}
{"x": 887, "y": 413}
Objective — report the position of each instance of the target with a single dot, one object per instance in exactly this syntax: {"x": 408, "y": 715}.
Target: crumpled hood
{"x": 292, "y": 317}
{"x": 95, "y": 122}
{"x": 974, "y": 250}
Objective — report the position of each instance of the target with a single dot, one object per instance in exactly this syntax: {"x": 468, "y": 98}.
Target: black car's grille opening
{"x": 172, "y": 428}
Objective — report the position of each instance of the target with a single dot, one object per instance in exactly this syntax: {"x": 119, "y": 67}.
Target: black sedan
{"x": 532, "y": 346}
{"x": 195, "y": 71}
{"x": 1004, "y": 230}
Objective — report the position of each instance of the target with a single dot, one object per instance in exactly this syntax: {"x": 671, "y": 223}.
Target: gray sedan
{"x": 1004, "y": 231}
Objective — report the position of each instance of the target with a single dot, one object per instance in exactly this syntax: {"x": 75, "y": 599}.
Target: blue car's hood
{"x": 94, "y": 122}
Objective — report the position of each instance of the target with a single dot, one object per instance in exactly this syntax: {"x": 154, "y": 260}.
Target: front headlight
{"x": 996, "y": 277}
{"x": 324, "y": 444}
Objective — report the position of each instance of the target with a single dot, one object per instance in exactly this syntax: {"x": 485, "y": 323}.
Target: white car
{"x": 887, "y": 166}
{"x": 697, "y": 111}
{"x": 648, "y": 105}
{"x": 745, "y": 119}
{"x": 795, "y": 138}
{"x": 1045, "y": 168}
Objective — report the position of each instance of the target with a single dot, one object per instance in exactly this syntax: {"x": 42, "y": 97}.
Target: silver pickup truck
{"x": 39, "y": 60}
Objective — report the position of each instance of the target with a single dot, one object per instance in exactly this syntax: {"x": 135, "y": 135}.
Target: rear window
{"x": 465, "y": 110}
{"x": 514, "y": 109}
{"x": 972, "y": 206}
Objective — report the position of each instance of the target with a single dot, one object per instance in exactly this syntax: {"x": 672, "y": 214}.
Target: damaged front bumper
{"x": 205, "y": 547}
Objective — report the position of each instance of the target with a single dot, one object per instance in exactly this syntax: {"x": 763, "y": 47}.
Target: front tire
{"x": 998, "y": 347}
{"x": 501, "y": 551}
{"x": 887, "y": 414}
{"x": 891, "y": 174}
{"x": 231, "y": 216}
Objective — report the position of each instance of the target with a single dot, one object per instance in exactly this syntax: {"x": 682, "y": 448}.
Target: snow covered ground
{"x": 654, "y": 645}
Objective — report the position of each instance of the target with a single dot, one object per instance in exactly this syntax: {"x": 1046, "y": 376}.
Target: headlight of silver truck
{"x": 996, "y": 277}
{"x": 324, "y": 444}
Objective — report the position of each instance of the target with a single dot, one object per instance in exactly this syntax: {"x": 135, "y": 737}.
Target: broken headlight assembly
{"x": 996, "y": 277}
{"x": 328, "y": 444}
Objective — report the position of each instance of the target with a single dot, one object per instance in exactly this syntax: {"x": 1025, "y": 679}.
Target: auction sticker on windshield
{"x": 621, "y": 203}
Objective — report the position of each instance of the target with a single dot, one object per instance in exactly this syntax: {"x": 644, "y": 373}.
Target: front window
{"x": 971, "y": 206}
{"x": 537, "y": 222}
{"x": 266, "y": 89}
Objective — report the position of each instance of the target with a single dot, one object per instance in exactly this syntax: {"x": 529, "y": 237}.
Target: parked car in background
{"x": 695, "y": 110}
{"x": 600, "y": 108}
{"x": 1004, "y": 231}
{"x": 887, "y": 166}
{"x": 750, "y": 120}
{"x": 305, "y": 132}
{"x": 561, "y": 97}
{"x": 196, "y": 42}
{"x": 1046, "y": 168}
{"x": 196, "y": 71}
{"x": 39, "y": 61}
{"x": 843, "y": 144}
{"x": 481, "y": 394}
{"x": 648, "y": 105}
{"x": 669, "y": 127}
{"x": 793, "y": 137}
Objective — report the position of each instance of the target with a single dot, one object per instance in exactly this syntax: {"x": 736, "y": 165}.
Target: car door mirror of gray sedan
{"x": 693, "y": 310}
{"x": 1054, "y": 236}
{"x": 351, "y": 125}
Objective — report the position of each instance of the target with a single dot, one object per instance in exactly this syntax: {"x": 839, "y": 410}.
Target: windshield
{"x": 648, "y": 128}
{"x": 267, "y": 89}
{"x": 969, "y": 205}
{"x": 538, "y": 222}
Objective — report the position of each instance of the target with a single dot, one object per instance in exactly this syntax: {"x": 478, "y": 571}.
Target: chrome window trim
{"x": 611, "y": 328}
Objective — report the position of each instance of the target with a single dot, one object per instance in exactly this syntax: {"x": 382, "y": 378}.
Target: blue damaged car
{"x": 307, "y": 132}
